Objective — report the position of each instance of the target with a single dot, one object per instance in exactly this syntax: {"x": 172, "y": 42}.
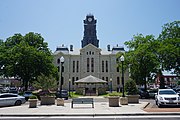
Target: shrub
{"x": 45, "y": 83}
{"x": 114, "y": 94}
{"x": 33, "y": 97}
{"x": 130, "y": 87}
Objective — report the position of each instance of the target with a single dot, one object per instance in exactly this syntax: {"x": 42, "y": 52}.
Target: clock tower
{"x": 90, "y": 32}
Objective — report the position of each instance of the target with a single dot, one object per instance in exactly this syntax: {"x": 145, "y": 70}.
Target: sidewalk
{"x": 100, "y": 109}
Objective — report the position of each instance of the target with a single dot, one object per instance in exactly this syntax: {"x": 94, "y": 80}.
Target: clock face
{"x": 89, "y": 19}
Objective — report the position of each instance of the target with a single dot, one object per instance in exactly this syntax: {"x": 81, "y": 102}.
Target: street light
{"x": 122, "y": 60}
{"x": 111, "y": 85}
{"x": 60, "y": 80}
{"x": 69, "y": 87}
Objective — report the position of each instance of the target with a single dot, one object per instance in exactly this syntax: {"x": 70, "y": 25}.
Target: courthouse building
{"x": 90, "y": 60}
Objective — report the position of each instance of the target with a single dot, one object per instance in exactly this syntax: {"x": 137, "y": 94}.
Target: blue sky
{"x": 61, "y": 21}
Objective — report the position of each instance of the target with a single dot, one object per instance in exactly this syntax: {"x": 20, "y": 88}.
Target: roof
{"x": 90, "y": 79}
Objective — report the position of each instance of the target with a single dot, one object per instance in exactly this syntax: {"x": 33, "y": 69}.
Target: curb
{"x": 146, "y": 105}
{"x": 90, "y": 115}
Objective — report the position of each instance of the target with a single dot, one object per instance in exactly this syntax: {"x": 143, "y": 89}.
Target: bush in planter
{"x": 32, "y": 101}
{"x": 46, "y": 84}
{"x": 113, "y": 99}
{"x": 114, "y": 94}
{"x": 130, "y": 87}
{"x": 132, "y": 91}
{"x": 33, "y": 97}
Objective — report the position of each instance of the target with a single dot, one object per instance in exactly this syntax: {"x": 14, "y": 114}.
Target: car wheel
{"x": 159, "y": 105}
{"x": 18, "y": 103}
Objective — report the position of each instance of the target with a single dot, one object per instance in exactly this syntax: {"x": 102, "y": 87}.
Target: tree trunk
{"x": 145, "y": 85}
{"x": 162, "y": 84}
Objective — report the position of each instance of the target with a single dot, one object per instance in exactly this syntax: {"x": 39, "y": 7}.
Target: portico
{"x": 90, "y": 85}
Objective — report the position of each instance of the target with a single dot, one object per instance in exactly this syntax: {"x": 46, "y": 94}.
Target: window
{"x": 58, "y": 61}
{"x": 106, "y": 66}
{"x": 102, "y": 78}
{"x": 92, "y": 64}
{"x": 7, "y": 96}
{"x": 77, "y": 66}
{"x": 62, "y": 80}
{"x": 118, "y": 69}
{"x": 102, "y": 66}
{"x": 72, "y": 80}
{"x": 77, "y": 78}
{"x": 87, "y": 64}
{"x": 118, "y": 80}
{"x": 73, "y": 66}
{"x": 107, "y": 80}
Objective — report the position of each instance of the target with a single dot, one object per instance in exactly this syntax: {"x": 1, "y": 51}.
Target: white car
{"x": 167, "y": 97}
{"x": 9, "y": 99}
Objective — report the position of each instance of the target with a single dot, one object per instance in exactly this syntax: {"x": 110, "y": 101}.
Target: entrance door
{"x": 90, "y": 91}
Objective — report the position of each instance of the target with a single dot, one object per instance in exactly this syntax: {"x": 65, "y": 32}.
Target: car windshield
{"x": 28, "y": 92}
{"x": 167, "y": 92}
{"x": 64, "y": 91}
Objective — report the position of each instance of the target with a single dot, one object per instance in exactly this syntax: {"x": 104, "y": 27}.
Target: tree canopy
{"x": 27, "y": 57}
{"x": 141, "y": 58}
{"x": 169, "y": 47}
{"x": 148, "y": 55}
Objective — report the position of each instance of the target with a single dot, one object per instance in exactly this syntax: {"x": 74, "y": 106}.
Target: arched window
{"x": 58, "y": 61}
{"x": 72, "y": 80}
{"x": 92, "y": 64}
{"x": 106, "y": 66}
{"x": 118, "y": 80}
{"x": 102, "y": 66}
{"x": 77, "y": 66}
{"x": 73, "y": 66}
{"x": 88, "y": 64}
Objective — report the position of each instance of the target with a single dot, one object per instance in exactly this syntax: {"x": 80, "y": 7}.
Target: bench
{"x": 82, "y": 101}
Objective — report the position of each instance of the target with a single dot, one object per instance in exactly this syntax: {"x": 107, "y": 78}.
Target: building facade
{"x": 89, "y": 60}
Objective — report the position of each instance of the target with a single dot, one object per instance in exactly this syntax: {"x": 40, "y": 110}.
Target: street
{"x": 150, "y": 107}
{"x": 96, "y": 118}
{"x": 151, "y": 101}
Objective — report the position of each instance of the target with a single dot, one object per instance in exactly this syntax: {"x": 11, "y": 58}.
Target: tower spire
{"x": 90, "y": 31}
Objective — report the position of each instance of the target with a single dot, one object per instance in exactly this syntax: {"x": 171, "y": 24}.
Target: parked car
{"x": 9, "y": 99}
{"x": 1, "y": 89}
{"x": 64, "y": 94}
{"x": 143, "y": 93}
{"x": 13, "y": 90}
{"x": 177, "y": 90}
{"x": 27, "y": 94}
{"x": 167, "y": 97}
{"x": 152, "y": 93}
{"x": 5, "y": 90}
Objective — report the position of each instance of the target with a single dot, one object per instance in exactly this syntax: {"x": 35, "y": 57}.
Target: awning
{"x": 90, "y": 79}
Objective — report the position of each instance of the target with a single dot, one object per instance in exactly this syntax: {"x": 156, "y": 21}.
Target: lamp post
{"x": 69, "y": 87}
{"x": 111, "y": 85}
{"x": 122, "y": 60}
{"x": 60, "y": 80}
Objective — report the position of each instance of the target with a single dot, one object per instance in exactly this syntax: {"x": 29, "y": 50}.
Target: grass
{"x": 112, "y": 94}
{"x": 75, "y": 95}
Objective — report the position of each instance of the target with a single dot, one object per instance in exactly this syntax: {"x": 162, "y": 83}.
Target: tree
{"x": 169, "y": 47}
{"x": 46, "y": 83}
{"x": 130, "y": 87}
{"x": 28, "y": 57}
{"x": 168, "y": 50}
{"x": 2, "y": 50}
{"x": 141, "y": 58}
